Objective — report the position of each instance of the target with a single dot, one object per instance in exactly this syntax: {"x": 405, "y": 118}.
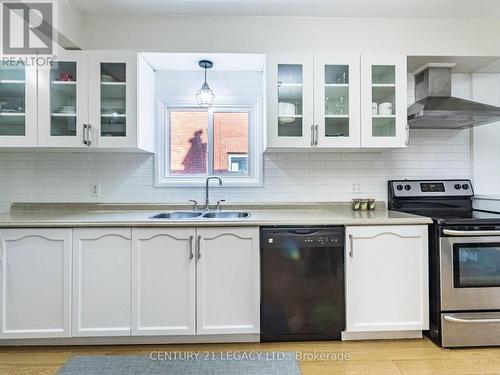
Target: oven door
{"x": 470, "y": 270}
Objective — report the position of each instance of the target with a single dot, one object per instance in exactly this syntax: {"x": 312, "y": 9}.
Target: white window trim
{"x": 254, "y": 178}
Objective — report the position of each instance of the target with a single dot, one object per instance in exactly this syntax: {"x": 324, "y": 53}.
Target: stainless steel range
{"x": 464, "y": 260}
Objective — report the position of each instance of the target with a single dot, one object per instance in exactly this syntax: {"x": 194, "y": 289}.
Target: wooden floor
{"x": 411, "y": 357}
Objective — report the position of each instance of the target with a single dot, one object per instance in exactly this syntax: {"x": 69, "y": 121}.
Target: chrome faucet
{"x": 207, "y": 200}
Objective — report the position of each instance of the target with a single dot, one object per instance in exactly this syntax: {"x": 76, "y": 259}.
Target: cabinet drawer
{"x": 470, "y": 329}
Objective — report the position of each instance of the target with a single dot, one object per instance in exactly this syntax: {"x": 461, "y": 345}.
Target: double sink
{"x": 183, "y": 215}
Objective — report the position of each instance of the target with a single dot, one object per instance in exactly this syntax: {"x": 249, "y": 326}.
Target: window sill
{"x": 227, "y": 182}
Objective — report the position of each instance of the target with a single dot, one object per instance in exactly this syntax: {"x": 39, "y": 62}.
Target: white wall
{"x": 294, "y": 34}
{"x": 486, "y": 155}
{"x": 300, "y": 176}
{"x": 66, "y": 177}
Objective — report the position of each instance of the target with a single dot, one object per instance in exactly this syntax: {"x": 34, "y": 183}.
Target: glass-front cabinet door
{"x": 383, "y": 101}
{"x": 63, "y": 101}
{"x": 112, "y": 100}
{"x": 18, "y": 122}
{"x": 336, "y": 99}
{"x": 290, "y": 101}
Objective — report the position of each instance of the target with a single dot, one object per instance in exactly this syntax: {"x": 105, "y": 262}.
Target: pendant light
{"x": 205, "y": 96}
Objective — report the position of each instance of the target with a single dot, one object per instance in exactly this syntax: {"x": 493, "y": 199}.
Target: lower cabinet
{"x": 386, "y": 278}
{"x": 35, "y": 283}
{"x": 91, "y": 282}
{"x": 163, "y": 281}
{"x": 102, "y": 266}
{"x": 228, "y": 282}
{"x": 205, "y": 275}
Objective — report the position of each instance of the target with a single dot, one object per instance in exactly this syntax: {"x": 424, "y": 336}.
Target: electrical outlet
{"x": 95, "y": 190}
{"x": 356, "y": 188}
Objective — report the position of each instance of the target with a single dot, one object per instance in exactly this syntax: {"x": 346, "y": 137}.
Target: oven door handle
{"x": 471, "y": 233}
{"x": 470, "y": 321}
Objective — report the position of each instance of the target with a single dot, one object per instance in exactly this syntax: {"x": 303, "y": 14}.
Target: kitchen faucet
{"x": 207, "y": 200}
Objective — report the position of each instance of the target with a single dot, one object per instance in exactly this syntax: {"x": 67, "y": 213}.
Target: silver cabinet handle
{"x": 470, "y": 321}
{"x": 312, "y": 135}
{"x": 407, "y": 135}
{"x": 351, "y": 244}
{"x": 191, "y": 254}
{"x": 470, "y": 233}
{"x": 316, "y": 135}
{"x": 89, "y": 135}
{"x": 85, "y": 142}
{"x": 198, "y": 246}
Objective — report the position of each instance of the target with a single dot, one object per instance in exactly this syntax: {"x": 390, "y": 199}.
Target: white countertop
{"x": 113, "y": 215}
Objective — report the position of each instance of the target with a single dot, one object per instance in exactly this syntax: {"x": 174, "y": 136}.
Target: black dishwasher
{"x": 302, "y": 281}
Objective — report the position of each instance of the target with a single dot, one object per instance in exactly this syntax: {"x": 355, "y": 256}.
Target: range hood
{"x": 435, "y": 108}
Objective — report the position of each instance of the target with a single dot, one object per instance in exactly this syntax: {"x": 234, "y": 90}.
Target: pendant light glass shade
{"x": 205, "y": 96}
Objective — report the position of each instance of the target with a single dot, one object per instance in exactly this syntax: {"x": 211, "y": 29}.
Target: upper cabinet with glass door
{"x": 112, "y": 100}
{"x": 336, "y": 96}
{"x": 18, "y": 122}
{"x": 63, "y": 101}
{"x": 383, "y": 101}
{"x": 290, "y": 101}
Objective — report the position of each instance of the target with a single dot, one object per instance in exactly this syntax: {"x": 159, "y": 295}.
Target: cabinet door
{"x": 18, "y": 104}
{"x": 228, "y": 283}
{"x": 101, "y": 282}
{"x": 386, "y": 278}
{"x": 336, "y": 101}
{"x": 113, "y": 98}
{"x": 163, "y": 281}
{"x": 290, "y": 101}
{"x": 63, "y": 101}
{"x": 35, "y": 282}
{"x": 383, "y": 101}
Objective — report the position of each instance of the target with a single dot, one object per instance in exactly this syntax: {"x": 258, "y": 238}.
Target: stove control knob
{"x": 399, "y": 187}
{"x": 407, "y": 187}
{"x": 465, "y": 186}
{"x": 458, "y": 186}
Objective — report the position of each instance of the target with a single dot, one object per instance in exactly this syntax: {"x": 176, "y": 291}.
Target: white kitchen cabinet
{"x": 163, "y": 281}
{"x": 325, "y": 102}
{"x": 336, "y": 101}
{"x": 386, "y": 278}
{"x": 18, "y": 104}
{"x": 113, "y": 98}
{"x": 63, "y": 101}
{"x": 102, "y": 266}
{"x": 290, "y": 96}
{"x": 228, "y": 285}
{"x": 383, "y": 82}
{"x": 35, "y": 283}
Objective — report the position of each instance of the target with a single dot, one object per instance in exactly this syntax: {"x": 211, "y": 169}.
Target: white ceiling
{"x": 327, "y": 8}
{"x": 223, "y": 62}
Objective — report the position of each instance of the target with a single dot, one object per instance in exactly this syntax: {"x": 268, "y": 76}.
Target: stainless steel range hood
{"x": 435, "y": 108}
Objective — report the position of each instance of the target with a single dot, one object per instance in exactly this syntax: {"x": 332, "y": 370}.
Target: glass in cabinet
{"x": 384, "y": 101}
{"x": 337, "y": 101}
{"x": 113, "y": 98}
{"x": 17, "y": 104}
{"x": 290, "y": 100}
{"x": 63, "y": 102}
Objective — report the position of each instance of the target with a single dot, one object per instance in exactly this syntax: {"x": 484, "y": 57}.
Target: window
{"x": 220, "y": 141}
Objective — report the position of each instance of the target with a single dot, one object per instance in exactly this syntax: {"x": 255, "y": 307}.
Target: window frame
{"x": 254, "y": 177}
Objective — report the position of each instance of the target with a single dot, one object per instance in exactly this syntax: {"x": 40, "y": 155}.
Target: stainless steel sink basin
{"x": 226, "y": 215}
{"x": 176, "y": 215}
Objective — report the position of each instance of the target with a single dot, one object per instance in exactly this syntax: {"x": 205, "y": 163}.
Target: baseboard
{"x": 135, "y": 340}
{"x": 385, "y": 335}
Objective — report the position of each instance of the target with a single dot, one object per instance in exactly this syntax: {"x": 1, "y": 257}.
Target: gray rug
{"x": 282, "y": 364}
